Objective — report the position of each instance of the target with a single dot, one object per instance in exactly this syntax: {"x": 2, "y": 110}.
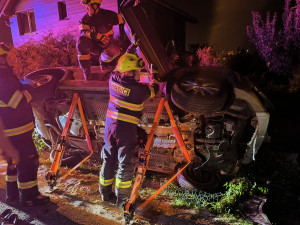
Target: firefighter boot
{"x": 36, "y": 200}
{"x": 106, "y": 193}
{"x": 12, "y": 191}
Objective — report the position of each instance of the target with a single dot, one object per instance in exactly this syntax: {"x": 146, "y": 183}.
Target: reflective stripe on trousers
{"x": 123, "y": 184}
{"x": 26, "y": 169}
{"x": 11, "y": 178}
{"x": 106, "y": 182}
{"x": 119, "y": 154}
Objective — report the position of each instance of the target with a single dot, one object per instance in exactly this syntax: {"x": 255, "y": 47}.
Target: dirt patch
{"x": 76, "y": 200}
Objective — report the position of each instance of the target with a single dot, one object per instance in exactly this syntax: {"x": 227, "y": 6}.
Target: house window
{"x": 26, "y": 22}
{"x": 62, "y": 10}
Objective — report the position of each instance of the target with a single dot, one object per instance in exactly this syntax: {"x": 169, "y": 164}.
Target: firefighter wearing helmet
{"x": 127, "y": 96}
{"x": 18, "y": 122}
{"x": 96, "y": 36}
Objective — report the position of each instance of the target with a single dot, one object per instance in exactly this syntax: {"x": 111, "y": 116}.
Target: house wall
{"x": 47, "y": 18}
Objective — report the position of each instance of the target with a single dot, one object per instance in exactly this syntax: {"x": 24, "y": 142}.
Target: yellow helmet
{"x": 91, "y": 2}
{"x": 4, "y": 49}
{"x": 129, "y": 62}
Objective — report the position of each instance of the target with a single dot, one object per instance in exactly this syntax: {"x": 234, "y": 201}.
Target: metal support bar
{"x": 51, "y": 176}
{"x": 141, "y": 168}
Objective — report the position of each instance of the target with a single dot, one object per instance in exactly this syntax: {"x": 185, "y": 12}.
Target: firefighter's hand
{"x": 153, "y": 69}
{"x": 10, "y": 154}
{"x": 142, "y": 137}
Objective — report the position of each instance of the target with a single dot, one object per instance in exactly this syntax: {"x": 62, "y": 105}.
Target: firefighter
{"x": 96, "y": 29}
{"x": 18, "y": 122}
{"x": 119, "y": 153}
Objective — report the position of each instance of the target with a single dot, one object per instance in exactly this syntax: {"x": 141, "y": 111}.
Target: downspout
{"x": 6, "y": 4}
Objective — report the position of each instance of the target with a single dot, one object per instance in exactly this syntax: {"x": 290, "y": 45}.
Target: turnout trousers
{"x": 85, "y": 48}
{"x": 21, "y": 179}
{"x": 119, "y": 156}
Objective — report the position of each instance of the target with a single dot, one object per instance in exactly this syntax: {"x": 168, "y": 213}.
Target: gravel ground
{"x": 76, "y": 200}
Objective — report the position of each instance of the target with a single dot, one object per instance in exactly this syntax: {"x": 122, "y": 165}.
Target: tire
{"x": 176, "y": 111}
{"x": 42, "y": 83}
{"x": 199, "y": 179}
{"x": 201, "y": 90}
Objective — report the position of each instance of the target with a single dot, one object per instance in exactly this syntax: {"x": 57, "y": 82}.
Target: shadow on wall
{"x": 5, "y": 34}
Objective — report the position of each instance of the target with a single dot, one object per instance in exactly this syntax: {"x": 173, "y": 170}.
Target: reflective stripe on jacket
{"x": 15, "y": 109}
{"x": 16, "y": 99}
{"x": 122, "y": 116}
{"x": 127, "y": 98}
{"x": 19, "y": 130}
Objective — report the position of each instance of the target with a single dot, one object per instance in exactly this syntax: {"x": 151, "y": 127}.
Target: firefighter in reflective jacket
{"x": 18, "y": 122}
{"x": 119, "y": 153}
{"x": 96, "y": 28}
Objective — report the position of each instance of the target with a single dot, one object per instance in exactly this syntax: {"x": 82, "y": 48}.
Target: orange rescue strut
{"x": 60, "y": 147}
{"x": 144, "y": 159}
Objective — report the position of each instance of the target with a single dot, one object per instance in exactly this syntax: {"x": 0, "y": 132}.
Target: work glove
{"x": 142, "y": 137}
{"x": 153, "y": 72}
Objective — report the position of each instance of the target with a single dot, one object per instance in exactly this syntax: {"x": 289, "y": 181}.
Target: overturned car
{"x": 221, "y": 117}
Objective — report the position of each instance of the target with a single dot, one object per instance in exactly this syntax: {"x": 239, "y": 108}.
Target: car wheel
{"x": 42, "y": 83}
{"x": 197, "y": 178}
{"x": 176, "y": 111}
{"x": 201, "y": 90}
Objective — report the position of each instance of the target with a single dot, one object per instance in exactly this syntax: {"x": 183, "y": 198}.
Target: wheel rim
{"x": 201, "y": 87}
{"x": 41, "y": 80}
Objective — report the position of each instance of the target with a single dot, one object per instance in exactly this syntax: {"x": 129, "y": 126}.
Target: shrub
{"x": 238, "y": 190}
{"x": 49, "y": 52}
{"x": 279, "y": 48}
{"x": 201, "y": 55}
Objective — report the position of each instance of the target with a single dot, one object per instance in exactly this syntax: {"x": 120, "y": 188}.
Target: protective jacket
{"x": 17, "y": 116}
{"x": 96, "y": 35}
{"x": 99, "y": 26}
{"x": 127, "y": 98}
{"x": 119, "y": 154}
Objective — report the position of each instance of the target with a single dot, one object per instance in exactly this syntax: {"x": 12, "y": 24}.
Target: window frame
{"x": 62, "y": 10}
{"x": 26, "y": 22}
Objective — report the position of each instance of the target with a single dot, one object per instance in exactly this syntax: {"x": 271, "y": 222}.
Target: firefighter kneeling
{"x": 18, "y": 122}
{"x": 120, "y": 151}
